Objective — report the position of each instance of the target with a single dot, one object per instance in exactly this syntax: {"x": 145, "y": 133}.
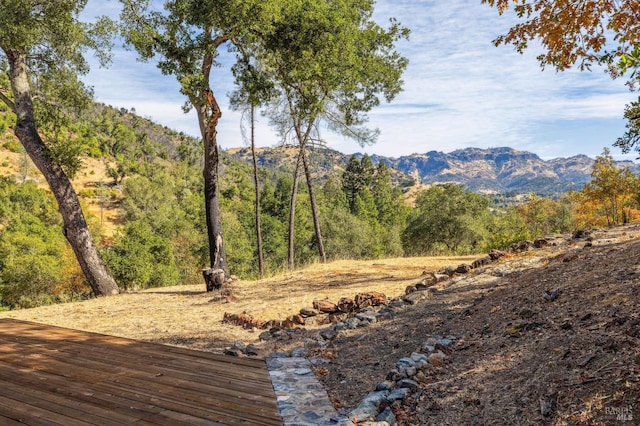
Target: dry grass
{"x": 188, "y": 316}
{"x": 92, "y": 174}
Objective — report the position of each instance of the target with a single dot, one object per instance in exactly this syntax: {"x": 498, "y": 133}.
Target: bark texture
{"x": 75, "y": 226}
{"x": 217, "y": 253}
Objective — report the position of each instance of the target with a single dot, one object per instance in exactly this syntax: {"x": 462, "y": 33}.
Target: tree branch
{"x": 7, "y": 101}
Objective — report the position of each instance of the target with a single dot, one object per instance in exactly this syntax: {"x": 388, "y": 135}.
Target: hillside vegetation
{"x": 141, "y": 185}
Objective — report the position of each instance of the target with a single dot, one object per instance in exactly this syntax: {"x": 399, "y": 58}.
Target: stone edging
{"x": 303, "y": 401}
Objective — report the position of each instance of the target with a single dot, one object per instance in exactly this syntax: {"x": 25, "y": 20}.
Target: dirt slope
{"x": 579, "y": 354}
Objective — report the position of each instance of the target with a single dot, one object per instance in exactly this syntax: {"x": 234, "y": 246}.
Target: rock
{"x": 496, "y": 254}
{"x": 367, "y": 410}
{"x": 441, "y": 277}
{"x": 444, "y": 342}
{"x": 405, "y": 362}
{"x": 240, "y": 345}
{"x": 337, "y": 317}
{"x": 581, "y": 234}
{"x": 521, "y": 246}
{"x": 367, "y": 316}
{"x": 387, "y": 416}
{"x": 437, "y": 358}
{"x": 352, "y": 323}
{"x": 346, "y": 305}
{"x": 422, "y": 286}
{"x": 551, "y": 295}
{"x": 328, "y": 334}
{"x": 298, "y": 319}
{"x": 463, "y": 268}
{"x": 410, "y": 371}
{"x": 393, "y": 375}
{"x": 417, "y": 357}
{"x": 397, "y": 303}
{"x": 385, "y": 314}
{"x": 309, "y": 312}
{"x": 279, "y": 355}
{"x": 384, "y": 386}
{"x": 265, "y": 335}
{"x": 540, "y": 242}
{"x": 374, "y": 398}
{"x": 449, "y": 270}
{"x": 398, "y": 393}
{"x": 402, "y": 372}
{"x": 410, "y": 289}
{"x": 371, "y": 298}
{"x": 408, "y": 384}
{"x": 252, "y": 350}
{"x": 325, "y": 306}
{"x": 299, "y": 352}
{"x": 231, "y": 352}
{"x": 481, "y": 262}
{"x": 418, "y": 296}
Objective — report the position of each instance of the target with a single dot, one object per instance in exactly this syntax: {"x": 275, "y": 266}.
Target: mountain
{"x": 501, "y": 170}
{"x": 495, "y": 170}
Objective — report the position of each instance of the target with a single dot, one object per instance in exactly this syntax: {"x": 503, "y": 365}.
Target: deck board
{"x": 51, "y": 375}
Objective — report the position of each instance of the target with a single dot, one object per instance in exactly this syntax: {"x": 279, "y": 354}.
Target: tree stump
{"x": 213, "y": 278}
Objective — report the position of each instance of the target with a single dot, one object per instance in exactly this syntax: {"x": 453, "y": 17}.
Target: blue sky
{"x": 460, "y": 91}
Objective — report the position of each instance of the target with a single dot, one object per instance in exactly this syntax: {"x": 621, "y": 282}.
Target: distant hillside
{"x": 500, "y": 170}
{"x": 494, "y": 170}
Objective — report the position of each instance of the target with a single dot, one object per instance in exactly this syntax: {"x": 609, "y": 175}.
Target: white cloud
{"x": 460, "y": 91}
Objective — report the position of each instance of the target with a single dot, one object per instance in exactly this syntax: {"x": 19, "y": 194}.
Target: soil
{"x": 517, "y": 357}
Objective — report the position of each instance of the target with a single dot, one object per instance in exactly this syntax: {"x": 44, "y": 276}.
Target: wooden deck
{"x": 51, "y": 375}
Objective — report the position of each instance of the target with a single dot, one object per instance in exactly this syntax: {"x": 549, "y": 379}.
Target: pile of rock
{"x": 401, "y": 381}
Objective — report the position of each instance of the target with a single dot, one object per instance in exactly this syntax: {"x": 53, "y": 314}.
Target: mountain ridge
{"x": 500, "y": 170}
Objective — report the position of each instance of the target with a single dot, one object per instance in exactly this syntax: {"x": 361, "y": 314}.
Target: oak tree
{"x": 41, "y": 48}
{"x": 603, "y": 32}
{"x": 333, "y": 63}
{"x": 186, "y": 37}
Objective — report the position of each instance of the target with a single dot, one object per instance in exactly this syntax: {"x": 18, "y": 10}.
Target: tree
{"x": 446, "y": 217}
{"x": 41, "y": 44}
{"x": 615, "y": 190}
{"x": 600, "y": 32}
{"x": 332, "y": 63}
{"x": 254, "y": 89}
{"x": 186, "y": 37}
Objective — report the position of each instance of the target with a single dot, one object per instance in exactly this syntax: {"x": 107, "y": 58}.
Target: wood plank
{"x": 52, "y": 375}
{"x": 169, "y": 354}
{"x": 211, "y": 375}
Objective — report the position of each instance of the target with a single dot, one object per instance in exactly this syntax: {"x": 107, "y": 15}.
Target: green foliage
{"x": 140, "y": 258}
{"x": 35, "y": 261}
{"x": 447, "y": 219}
{"x": 13, "y": 146}
{"x": 506, "y": 228}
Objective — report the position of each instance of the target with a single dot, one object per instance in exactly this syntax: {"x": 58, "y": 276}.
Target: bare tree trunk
{"x": 217, "y": 255}
{"x": 257, "y": 188}
{"x": 314, "y": 208}
{"x": 292, "y": 214}
{"x": 75, "y": 226}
